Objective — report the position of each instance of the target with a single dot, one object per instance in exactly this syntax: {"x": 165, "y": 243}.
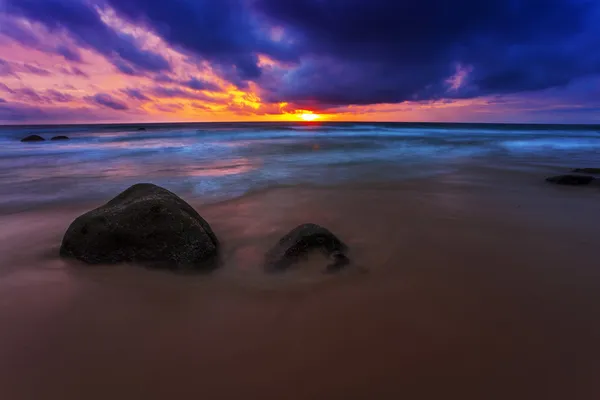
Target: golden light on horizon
{"x": 309, "y": 116}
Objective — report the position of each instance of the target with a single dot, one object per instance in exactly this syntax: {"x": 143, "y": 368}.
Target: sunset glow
{"x": 162, "y": 62}
{"x": 309, "y": 117}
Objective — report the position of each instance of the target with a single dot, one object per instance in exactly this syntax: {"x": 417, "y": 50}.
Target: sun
{"x": 309, "y": 116}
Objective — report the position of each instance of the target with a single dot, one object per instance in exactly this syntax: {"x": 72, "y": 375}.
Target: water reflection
{"x": 226, "y": 161}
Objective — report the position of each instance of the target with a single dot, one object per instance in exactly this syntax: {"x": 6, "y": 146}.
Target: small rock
{"x": 573, "y": 180}
{"x": 145, "y": 224}
{"x": 60, "y": 137}
{"x": 141, "y": 129}
{"x": 298, "y": 242}
{"x": 33, "y": 138}
{"x": 587, "y": 170}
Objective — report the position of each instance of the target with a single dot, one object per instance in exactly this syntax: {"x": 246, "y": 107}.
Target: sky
{"x": 95, "y": 61}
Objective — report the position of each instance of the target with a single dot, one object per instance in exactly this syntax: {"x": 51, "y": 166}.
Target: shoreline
{"x": 467, "y": 287}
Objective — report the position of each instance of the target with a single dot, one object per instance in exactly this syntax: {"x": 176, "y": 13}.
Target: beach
{"x": 471, "y": 277}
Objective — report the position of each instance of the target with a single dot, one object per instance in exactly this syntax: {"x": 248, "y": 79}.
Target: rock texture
{"x": 300, "y": 241}
{"x": 572, "y": 180}
{"x": 60, "y": 137}
{"x": 33, "y": 138}
{"x": 145, "y": 224}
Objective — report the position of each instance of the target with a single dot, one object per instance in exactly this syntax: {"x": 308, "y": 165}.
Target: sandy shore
{"x": 473, "y": 292}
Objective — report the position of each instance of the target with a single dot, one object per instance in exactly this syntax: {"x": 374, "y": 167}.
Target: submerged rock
{"x": 573, "y": 180}
{"x": 60, "y": 137}
{"x": 33, "y": 138}
{"x": 144, "y": 224}
{"x": 587, "y": 170}
{"x": 300, "y": 241}
{"x": 141, "y": 129}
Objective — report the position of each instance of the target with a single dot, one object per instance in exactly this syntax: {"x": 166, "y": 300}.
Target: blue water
{"x": 222, "y": 161}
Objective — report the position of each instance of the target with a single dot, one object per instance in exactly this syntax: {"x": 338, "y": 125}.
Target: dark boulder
{"x": 572, "y": 180}
{"x": 141, "y": 129}
{"x": 33, "y": 138}
{"x": 145, "y": 224}
{"x": 587, "y": 170}
{"x": 300, "y": 241}
{"x": 60, "y": 137}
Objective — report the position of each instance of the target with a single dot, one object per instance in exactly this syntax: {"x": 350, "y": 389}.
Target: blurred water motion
{"x": 222, "y": 161}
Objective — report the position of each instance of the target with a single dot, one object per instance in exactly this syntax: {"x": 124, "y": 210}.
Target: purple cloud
{"x": 24, "y": 35}
{"x": 36, "y": 70}
{"x": 81, "y": 21}
{"x": 6, "y": 88}
{"x": 59, "y": 97}
{"x": 106, "y": 100}
{"x": 24, "y": 113}
{"x": 2, "y": 100}
{"x": 197, "y": 84}
{"x": 5, "y": 68}
{"x": 223, "y": 32}
{"x": 333, "y": 53}
{"x": 74, "y": 71}
{"x": 162, "y": 78}
{"x": 69, "y": 53}
{"x": 135, "y": 94}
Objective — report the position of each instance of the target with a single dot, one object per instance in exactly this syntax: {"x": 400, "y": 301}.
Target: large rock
{"x": 298, "y": 242}
{"x": 33, "y": 138}
{"x": 145, "y": 224}
{"x": 60, "y": 137}
{"x": 571, "y": 180}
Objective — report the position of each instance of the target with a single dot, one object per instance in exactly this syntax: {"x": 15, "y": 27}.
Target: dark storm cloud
{"x": 106, "y": 100}
{"x": 379, "y": 51}
{"x": 81, "y": 21}
{"x": 339, "y": 52}
{"x": 222, "y": 32}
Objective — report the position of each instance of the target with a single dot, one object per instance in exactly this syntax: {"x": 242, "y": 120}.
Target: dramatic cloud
{"x": 263, "y": 58}
{"x": 108, "y": 101}
{"x": 382, "y": 51}
{"x": 82, "y": 22}
{"x": 222, "y": 32}
{"x": 25, "y": 35}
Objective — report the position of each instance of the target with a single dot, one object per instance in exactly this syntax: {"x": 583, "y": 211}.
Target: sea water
{"x": 220, "y": 161}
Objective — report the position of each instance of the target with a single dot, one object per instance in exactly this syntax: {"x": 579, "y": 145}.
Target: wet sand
{"x": 487, "y": 291}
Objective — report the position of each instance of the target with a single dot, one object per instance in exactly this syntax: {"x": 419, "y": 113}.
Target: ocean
{"x": 220, "y": 161}
{"x": 471, "y": 277}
